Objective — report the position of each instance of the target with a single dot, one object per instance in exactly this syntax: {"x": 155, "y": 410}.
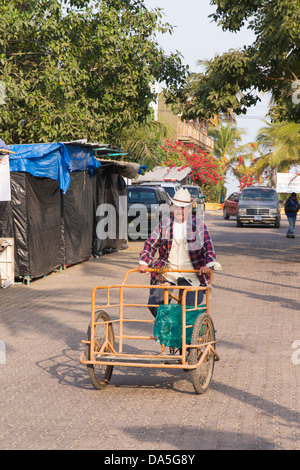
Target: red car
{"x": 230, "y": 205}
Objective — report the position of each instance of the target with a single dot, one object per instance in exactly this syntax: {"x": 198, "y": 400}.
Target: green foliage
{"x": 142, "y": 142}
{"x": 218, "y": 89}
{"x": 279, "y": 146}
{"x": 79, "y": 69}
{"x": 226, "y": 143}
{"x": 227, "y": 148}
{"x": 271, "y": 63}
{"x": 230, "y": 154}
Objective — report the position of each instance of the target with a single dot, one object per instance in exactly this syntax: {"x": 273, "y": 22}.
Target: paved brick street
{"x": 48, "y": 402}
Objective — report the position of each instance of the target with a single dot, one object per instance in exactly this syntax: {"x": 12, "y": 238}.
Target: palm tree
{"x": 142, "y": 141}
{"x": 226, "y": 140}
{"x": 279, "y": 145}
{"x": 229, "y": 151}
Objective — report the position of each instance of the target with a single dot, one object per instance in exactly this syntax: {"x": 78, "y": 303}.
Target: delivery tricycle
{"x": 184, "y": 334}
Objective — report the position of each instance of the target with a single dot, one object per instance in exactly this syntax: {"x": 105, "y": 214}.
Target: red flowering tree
{"x": 246, "y": 174}
{"x": 206, "y": 171}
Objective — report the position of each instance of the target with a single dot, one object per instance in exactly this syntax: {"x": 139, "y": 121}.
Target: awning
{"x": 163, "y": 173}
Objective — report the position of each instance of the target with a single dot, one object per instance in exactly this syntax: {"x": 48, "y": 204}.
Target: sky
{"x": 197, "y": 37}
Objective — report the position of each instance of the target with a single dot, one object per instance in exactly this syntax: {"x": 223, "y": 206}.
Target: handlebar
{"x": 167, "y": 270}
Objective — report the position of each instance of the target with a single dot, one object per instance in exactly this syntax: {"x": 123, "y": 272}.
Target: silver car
{"x": 258, "y": 205}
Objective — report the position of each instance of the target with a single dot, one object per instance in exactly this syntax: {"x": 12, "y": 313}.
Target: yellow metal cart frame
{"x": 101, "y": 354}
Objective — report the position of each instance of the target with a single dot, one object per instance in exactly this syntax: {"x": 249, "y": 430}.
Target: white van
{"x": 169, "y": 186}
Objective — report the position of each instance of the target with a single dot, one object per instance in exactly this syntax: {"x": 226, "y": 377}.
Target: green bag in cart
{"x": 168, "y": 324}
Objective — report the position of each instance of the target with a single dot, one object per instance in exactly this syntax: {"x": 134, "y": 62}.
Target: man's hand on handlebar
{"x": 143, "y": 268}
{"x": 204, "y": 270}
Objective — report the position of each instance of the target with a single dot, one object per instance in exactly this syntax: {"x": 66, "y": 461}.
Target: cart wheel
{"x": 100, "y": 375}
{"x": 203, "y": 332}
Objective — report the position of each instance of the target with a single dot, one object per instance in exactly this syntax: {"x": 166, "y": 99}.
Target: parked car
{"x": 230, "y": 205}
{"x": 145, "y": 205}
{"x": 258, "y": 205}
{"x": 169, "y": 186}
{"x": 197, "y": 195}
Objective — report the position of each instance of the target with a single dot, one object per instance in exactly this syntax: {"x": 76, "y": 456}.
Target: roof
{"x": 53, "y": 160}
{"x": 58, "y": 159}
{"x": 259, "y": 187}
{"x": 96, "y": 146}
{"x": 164, "y": 173}
{"x": 125, "y": 169}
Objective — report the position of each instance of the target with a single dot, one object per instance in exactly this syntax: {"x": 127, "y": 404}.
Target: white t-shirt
{"x": 179, "y": 256}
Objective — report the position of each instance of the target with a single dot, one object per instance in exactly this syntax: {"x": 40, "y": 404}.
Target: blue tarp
{"x": 142, "y": 167}
{"x": 55, "y": 161}
{"x": 81, "y": 158}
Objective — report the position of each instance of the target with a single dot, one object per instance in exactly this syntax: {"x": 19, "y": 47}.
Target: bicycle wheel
{"x": 203, "y": 332}
{"x": 100, "y": 375}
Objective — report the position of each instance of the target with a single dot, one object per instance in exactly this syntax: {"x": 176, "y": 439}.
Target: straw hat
{"x": 182, "y": 198}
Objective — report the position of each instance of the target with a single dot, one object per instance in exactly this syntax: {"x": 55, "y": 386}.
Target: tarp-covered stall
{"x": 111, "y": 192}
{"x": 78, "y": 218}
{"x": 36, "y": 220}
{"x": 39, "y": 173}
{"x": 78, "y": 204}
{"x": 43, "y": 160}
{"x": 55, "y": 192}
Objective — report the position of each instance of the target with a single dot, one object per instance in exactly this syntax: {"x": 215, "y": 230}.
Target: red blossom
{"x": 204, "y": 167}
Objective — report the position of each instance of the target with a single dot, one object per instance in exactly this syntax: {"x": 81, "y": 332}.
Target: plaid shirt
{"x": 199, "y": 244}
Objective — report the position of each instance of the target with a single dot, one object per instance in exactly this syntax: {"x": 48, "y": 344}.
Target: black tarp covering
{"x": 43, "y": 197}
{"x": 78, "y": 217}
{"x": 109, "y": 188}
{"x": 33, "y": 219}
{"x": 6, "y": 220}
{"x": 52, "y": 229}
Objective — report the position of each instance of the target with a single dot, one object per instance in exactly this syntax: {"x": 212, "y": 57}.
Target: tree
{"x": 226, "y": 144}
{"x": 205, "y": 169}
{"x": 279, "y": 149}
{"x": 231, "y": 155}
{"x": 235, "y": 78}
{"x": 142, "y": 142}
{"x": 246, "y": 173}
{"x": 79, "y": 69}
